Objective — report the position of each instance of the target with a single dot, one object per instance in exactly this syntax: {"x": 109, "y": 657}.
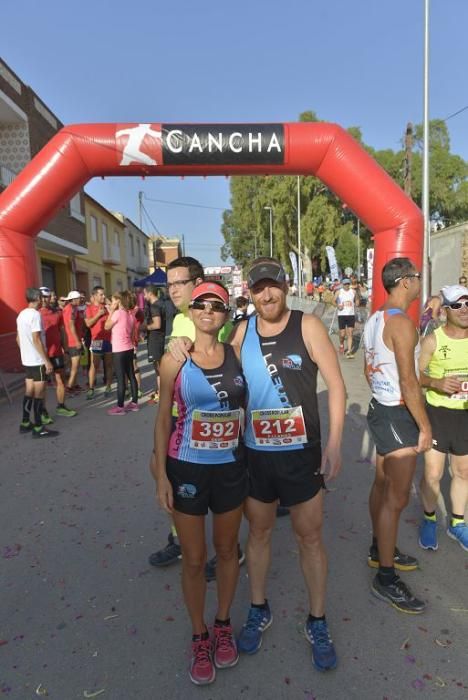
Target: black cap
{"x": 266, "y": 271}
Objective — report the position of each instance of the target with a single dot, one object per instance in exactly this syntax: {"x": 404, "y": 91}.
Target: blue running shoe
{"x": 323, "y": 651}
{"x": 428, "y": 534}
{"x": 250, "y": 638}
{"x": 460, "y": 534}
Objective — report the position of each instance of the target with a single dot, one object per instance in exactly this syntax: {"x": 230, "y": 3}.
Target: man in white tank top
{"x": 398, "y": 424}
{"x": 345, "y": 300}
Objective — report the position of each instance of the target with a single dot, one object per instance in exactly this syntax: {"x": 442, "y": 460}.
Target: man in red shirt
{"x": 73, "y": 322}
{"x": 52, "y": 320}
{"x": 96, "y": 315}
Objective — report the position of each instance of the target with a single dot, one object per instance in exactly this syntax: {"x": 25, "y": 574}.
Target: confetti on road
{"x": 40, "y": 690}
{"x": 86, "y": 694}
{"x": 10, "y": 552}
{"x": 110, "y": 617}
{"x": 406, "y": 644}
{"x": 440, "y": 643}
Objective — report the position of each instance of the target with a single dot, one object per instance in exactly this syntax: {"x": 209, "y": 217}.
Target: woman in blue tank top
{"x": 198, "y": 466}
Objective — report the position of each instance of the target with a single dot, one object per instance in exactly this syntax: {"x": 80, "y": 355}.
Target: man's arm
{"x": 400, "y": 331}
{"x": 155, "y": 324}
{"x": 39, "y": 345}
{"x": 91, "y": 320}
{"x": 72, "y": 330}
{"x": 323, "y": 353}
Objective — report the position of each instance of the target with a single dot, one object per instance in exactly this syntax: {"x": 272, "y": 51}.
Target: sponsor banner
{"x": 223, "y": 144}
{"x": 293, "y": 259}
{"x": 334, "y": 269}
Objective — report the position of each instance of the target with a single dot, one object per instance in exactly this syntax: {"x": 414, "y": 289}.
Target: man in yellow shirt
{"x": 444, "y": 372}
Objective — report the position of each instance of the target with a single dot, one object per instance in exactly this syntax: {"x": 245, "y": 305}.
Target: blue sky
{"x": 355, "y": 62}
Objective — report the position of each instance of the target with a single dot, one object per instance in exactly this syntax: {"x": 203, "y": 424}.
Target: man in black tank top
{"x": 281, "y": 352}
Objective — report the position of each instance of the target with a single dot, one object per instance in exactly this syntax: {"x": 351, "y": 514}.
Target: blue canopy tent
{"x": 158, "y": 277}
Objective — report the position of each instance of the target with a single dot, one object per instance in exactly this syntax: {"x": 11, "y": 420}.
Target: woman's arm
{"x": 168, "y": 371}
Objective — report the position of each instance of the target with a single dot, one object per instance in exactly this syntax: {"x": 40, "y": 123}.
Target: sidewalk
{"x": 82, "y": 611}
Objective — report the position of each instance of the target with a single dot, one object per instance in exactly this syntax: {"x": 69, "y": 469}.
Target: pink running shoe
{"x": 117, "y": 411}
{"x": 131, "y": 406}
{"x": 225, "y": 647}
{"x": 202, "y": 670}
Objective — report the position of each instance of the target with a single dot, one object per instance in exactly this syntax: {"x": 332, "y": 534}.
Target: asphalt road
{"x": 82, "y": 613}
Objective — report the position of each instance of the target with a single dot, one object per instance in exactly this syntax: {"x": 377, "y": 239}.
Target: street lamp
{"x": 271, "y": 229}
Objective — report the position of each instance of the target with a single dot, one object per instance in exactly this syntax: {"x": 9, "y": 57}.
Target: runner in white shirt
{"x": 344, "y": 300}
{"x": 398, "y": 425}
{"x": 31, "y": 342}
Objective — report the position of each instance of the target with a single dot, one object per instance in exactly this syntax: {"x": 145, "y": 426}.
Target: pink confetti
{"x": 418, "y": 684}
{"x": 10, "y": 552}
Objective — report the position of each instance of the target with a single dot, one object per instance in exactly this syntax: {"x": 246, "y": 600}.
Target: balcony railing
{"x": 6, "y": 176}
{"x": 110, "y": 254}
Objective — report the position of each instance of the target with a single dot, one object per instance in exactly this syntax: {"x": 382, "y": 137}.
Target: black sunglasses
{"x": 458, "y": 305}
{"x": 202, "y": 304}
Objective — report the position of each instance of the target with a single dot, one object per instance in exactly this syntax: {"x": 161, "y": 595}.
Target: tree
{"x": 246, "y": 226}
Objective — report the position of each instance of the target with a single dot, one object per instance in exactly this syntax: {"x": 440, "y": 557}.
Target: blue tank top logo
{"x": 292, "y": 362}
{"x": 278, "y": 386}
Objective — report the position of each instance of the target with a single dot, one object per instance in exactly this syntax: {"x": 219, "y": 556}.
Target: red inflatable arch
{"x": 80, "y": 152}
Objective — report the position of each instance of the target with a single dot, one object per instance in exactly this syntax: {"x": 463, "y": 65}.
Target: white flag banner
{"x": 293, "y": 259}
{"x": 370, "y": 264}
{"x": 334, "y": 269}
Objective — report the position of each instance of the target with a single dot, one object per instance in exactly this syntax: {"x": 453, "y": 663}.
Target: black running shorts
{"x": 449, "y": 429}
{"x": 155, "y": 347}
{"x": 199, "y": 487}
{"x": 37, "y": 373}
{"x": 346, "y": 322}
{"x": 391, "y": 427}
{"x": 290, "y": 476}
{"x": 75, "y": 352}
{"x": 57, "y": 362}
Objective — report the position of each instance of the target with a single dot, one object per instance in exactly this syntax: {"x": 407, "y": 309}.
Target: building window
{"x": 75, "y": 207}
{"x": 97, "y": 281}
{"x": 93, "y": 226}
{"x": 116, "y": 239}
{"x": 119, "y": 286}
{"x": 104, "y": 233}
{"x": 132, "y": 247}
{"x": 144, "y": 249}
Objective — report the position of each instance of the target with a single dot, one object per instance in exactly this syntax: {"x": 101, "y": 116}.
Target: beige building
{"x": 137, "y": 248}
{"x": 106, "y": 263}
{"x": 449, "y": 255}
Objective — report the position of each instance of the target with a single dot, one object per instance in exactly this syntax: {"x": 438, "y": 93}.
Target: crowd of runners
{"x": 238, "y": 433}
